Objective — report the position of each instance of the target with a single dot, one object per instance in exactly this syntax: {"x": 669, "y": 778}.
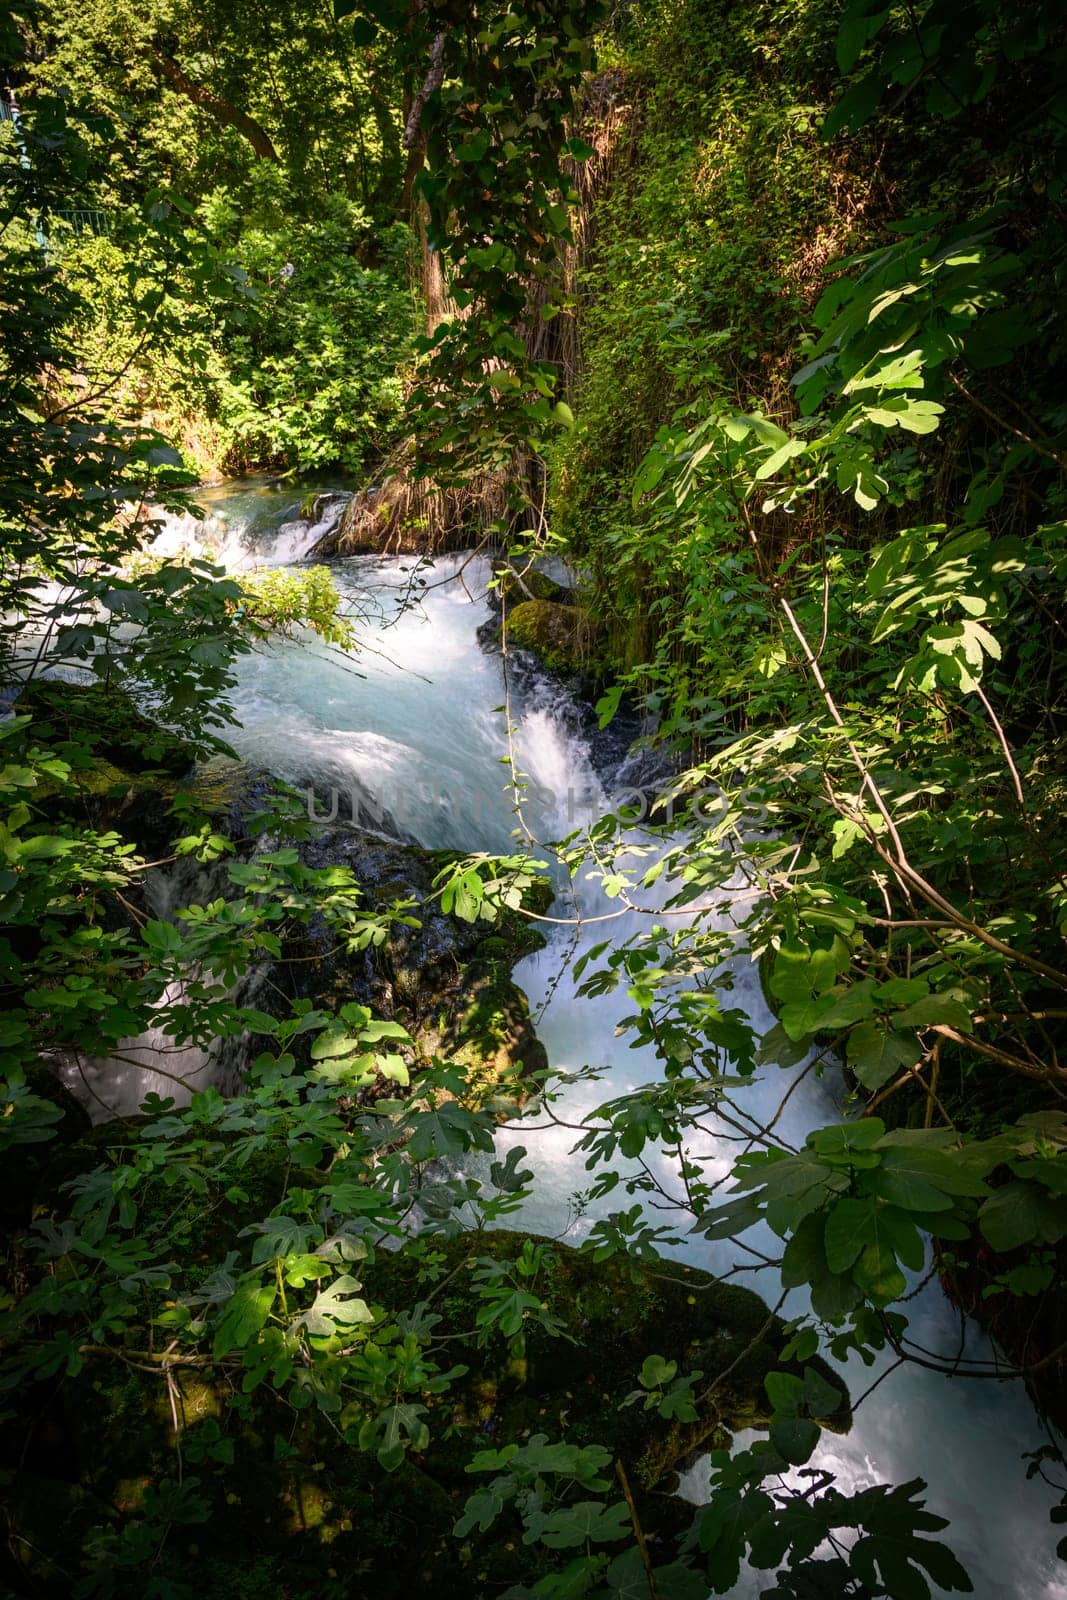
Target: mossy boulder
{"x": 562, "y": 637}
{"x": 289, "y": 1501}
{"x": 446, "y": 981}
{"x": 518, "y": 583}
{"x": 125, "y": 767}
{"x": 487, "y": 1030}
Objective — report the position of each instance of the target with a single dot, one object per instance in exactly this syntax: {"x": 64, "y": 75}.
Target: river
{"x": 414, "y": 718}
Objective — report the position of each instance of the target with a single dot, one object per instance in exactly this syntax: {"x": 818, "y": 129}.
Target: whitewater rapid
{"x": 414, "y": 719}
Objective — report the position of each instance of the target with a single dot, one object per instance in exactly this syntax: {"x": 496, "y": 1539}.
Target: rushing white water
{"x": 154, "y": 1062}
{"x": 263, "y": 523}
{"x": 420, "y": 730}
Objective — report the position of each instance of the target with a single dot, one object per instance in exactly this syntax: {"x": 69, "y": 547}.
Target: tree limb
{"x": 215, "y": 106}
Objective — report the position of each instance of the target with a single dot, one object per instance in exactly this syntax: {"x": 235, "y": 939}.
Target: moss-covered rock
{"x": 125, "y": 768}
{"x": 292, "y": 1505}
{"x": 488, "y": 1030}
{"x": 448, "y": 982}
{"x": 562, "y": 637}
{"x": 519, "y": 582}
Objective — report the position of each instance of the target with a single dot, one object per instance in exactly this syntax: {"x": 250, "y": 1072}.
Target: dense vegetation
{"x": 756, "y": 314}
{"x": 299, "y": 194}
{"x": 847, "y": 574}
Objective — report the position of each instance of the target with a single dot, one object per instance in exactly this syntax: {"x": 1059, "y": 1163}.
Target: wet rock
{"x": 448, "y": 982}
{"x": 488, "y": 1030}
{"x": 518, "y": 582}
{"x": 563, "y": 637}
{"x": 128, "y": 770}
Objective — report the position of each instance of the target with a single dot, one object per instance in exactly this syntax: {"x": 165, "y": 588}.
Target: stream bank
{"x": 305, "y": 1514}
{"x": 421, "y": 732}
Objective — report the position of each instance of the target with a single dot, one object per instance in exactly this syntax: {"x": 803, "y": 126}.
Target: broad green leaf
{"x": 481, "y": 1511}
{"x": 892, "y": 1563}
{"x": 656, "y": 1372}
{"x": 804, "y": 1258}
{"x": 921, "y": 1179}
{"x": 332, "y": 1044}
{"x": 244, "y": 1315}
{"x": 587, "y": 1521}
{"x": 1022, "y": 1212}
{"x": 794, "y": 1438}
{"x": 876, "y": 1054}
{"x": 820, "y": 1398}
{"x": 337, "y": 1305}
{"x": 778, "y": 458}
{"x": 850, "y": 1226}
{"x": 834, "y": 1296}
{"x": 785, "y": 1391}
{"x": 937, "y": 1008}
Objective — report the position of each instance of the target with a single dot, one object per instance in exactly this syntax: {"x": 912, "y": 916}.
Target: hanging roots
{"x": 404, "y": 514}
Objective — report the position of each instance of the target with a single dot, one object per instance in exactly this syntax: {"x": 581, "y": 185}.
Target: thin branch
{"x": 639, "y": 1532}
{"x": 1048, "y": 451}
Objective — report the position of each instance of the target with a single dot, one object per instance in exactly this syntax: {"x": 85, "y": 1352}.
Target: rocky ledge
{"x": 447, "y": 982}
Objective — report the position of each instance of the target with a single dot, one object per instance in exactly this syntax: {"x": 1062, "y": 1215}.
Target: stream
{"x": 413, "y": 719}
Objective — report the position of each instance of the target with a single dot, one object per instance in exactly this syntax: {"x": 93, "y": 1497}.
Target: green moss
{"x": 563, "y": 637}
{"x": 97, "y": 727}
{"x": 520, "y": 584}
{"x": 491, "y": 1034}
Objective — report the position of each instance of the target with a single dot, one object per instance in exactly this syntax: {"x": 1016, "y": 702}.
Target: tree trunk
{"x": 221, "y": 110}
{"x": 414, "y": 138}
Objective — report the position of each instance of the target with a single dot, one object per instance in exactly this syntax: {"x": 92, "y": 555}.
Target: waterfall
{"x": 154, "y": 1062}
{"x": 262, "y": 525}
{"x": 421, "y": 728}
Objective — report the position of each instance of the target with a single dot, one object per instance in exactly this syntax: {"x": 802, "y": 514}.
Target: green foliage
{"x": 538, "y": 1472}
{"x": 296, "y": 364}
{"x": 957, "y": 55}
{"x": 277, "y": 601}
{"x": 236, "y": 1235}
{"x": 770, "y": 1525}
{"x": 718, "y": 213}
{"x": 829, "y": 591}
{"x": 306, "y": 371}
{"x": 661, "y": 1389}
{"x": 856, "y": 1202}
{"x": 481, "y": 887}
{"x": 270, "y": 601}
{"x": 866, "y": 715}
{"x": 294, "y": 359}
{"x": 491, "y": 117}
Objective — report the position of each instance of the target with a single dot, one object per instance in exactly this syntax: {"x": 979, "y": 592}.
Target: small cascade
{"x": 151, "y": 1063}
{"x": 621, "y": 764}
{"x": 155, "y": 1062}
{"x": 248, "y": 527}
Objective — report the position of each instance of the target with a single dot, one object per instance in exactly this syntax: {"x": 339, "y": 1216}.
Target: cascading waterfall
{"x": 154, "y": 1062}
{"x": 251, "y": 525}
{"x": 414, "y": 720}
